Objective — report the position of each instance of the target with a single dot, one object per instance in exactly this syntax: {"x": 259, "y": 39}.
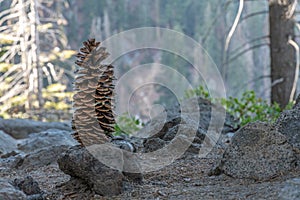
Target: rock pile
{"x": 195, "y": 114}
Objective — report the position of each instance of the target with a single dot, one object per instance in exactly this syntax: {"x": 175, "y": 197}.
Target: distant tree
{"x": 29, "y": 31}
{"x": 284, "y": 51}
{"x": 19, "y": 26}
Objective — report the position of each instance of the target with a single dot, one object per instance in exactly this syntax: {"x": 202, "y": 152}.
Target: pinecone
{"x": 93, "y": 120}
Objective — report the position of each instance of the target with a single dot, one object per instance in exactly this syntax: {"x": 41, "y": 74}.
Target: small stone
{"x": 187, "y": 180}
{"x": 160, "y": 193}
{"x": 27, "y": 185}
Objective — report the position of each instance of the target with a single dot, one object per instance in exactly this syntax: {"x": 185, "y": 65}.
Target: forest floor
{"x": 185, "y": 178}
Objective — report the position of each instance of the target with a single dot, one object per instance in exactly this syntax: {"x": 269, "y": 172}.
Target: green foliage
{"x": 248, "y": 108}
{"x": 200, "y": 91}
{"x": 127, "y": 125}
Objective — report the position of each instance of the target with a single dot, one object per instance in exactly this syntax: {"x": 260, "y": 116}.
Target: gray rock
{"x": 194, "y": 148}
{"x": 79, "y": 163}
{"x": 27, "y": 185}
{"x": 41, "y": 157}
{"x": 153, "y": 144}
{"x": 21, "y": 128}
{"x": 189, "y": 114}
{"x": 123, "y": 143}
{"x": 131, "y": 168}
{"x": 171, "y": 133}
{"x": 48, "y": 138}
{"x": 8, "y": 145}
{"x": 291, "y": 190}
{"x": 257, "y": 151}
{"x": 204, "y": 107}
{"x": 194, "y": 113}
{"x": 73, "y": 186}
{"x": 9, "y": 192}
{"x": 288, "y": 124}
{"x": 225, "y": 140}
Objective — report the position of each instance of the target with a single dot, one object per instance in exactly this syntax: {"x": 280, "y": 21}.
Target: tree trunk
{"x": 35, "y": 53}
{"x": 283, "y": 56}
{"x": 23, "y": 23}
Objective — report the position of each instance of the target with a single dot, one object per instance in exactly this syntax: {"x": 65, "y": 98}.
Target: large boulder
{"x": 21, "y": 128}
{"x": 257, "y": 151}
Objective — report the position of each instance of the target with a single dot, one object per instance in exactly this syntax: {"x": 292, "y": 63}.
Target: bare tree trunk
{"x": 23, "y": 23}
{"x": 37, "y": 70}
{"x": 283, "y": 57}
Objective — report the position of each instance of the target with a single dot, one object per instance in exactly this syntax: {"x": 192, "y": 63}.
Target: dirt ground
{"x": 186, "y": 178}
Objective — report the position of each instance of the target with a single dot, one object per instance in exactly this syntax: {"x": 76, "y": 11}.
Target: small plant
{"x": 248, "y": 108}
{"x": 127, "y": 125}
{"x": 199, "y": 91}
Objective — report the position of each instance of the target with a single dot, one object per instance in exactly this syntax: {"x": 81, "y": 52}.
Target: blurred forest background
{"x": 38, "y": 40}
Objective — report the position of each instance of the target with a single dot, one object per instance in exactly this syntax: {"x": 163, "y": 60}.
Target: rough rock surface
{"x": 48, "y": 138}
{"x": 21, "y": 128}
{"x": 9, "y": 192}
{"x": 194, "y": 113}
{"x": 40, "y": 157}
{"x": 27, "y": 185}
{"x": 38, "y": 149}
{"x": 78, "y": 162}
{"x": 186, "y": 178}
{"x": 288, "y": 124}
{"x": 291, "y": 190}
{"x": 153, "y": 144}
{"x": 8, "y": 145}
{"x": 257, "y": 151}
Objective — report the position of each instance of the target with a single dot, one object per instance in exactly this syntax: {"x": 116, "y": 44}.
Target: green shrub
{"x": 127, "y": 125}
{"x": 248, "y": 108}
{"x": 199, "y": 91}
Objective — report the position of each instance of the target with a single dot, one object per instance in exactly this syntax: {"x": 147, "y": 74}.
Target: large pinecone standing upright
{"x": 93, "y": 119}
